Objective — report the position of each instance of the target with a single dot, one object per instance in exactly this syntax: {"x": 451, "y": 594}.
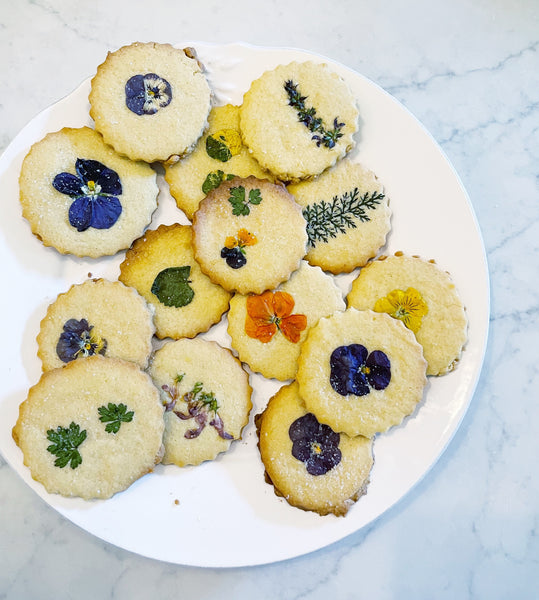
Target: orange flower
{"x": 244, "y": 238}
{"x": 271, "y": 311}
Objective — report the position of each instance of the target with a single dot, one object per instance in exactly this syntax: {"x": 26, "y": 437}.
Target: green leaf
{"x": 114, "y": 415}
{"x": 237, "y": 199}
{"x": 217, "y": 149}
{"x": 255, "y": 197}
{"x": 65, "y": 443}
{"x": 171, "y": 286}
{"x": 240, "y": 205}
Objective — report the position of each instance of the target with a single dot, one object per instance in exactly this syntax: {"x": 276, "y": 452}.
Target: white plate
{"x": 227, "y": 515}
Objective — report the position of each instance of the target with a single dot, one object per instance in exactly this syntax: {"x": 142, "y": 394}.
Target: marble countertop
{"x": 469, "y": 71}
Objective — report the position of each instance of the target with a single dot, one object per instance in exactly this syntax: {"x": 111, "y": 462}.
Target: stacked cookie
{"x": 278, "y": 210}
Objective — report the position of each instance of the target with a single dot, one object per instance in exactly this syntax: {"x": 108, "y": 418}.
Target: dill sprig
{"x": 327, "y": 219}
{"x": 322, "y": 136}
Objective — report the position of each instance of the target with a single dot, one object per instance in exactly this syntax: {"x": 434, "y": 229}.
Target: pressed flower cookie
{"x": 150, "y": 101}
{"x": 361, "y": 372}
{"x": 423, "y": 297}
{"x": 219, "y": 155}
{"x": 81, "y": 197}
{"x": 309, "y": 464}
{"x": 161, "y": 267}
{"x": 91, "y": 428}
{"x": 207, "y": 399}
{"x": 267, "y": 330}
{"x": 299, "y": 119}
{"x": 348, "y": 216}
{"x": 96, "y": 317}
{"x": 249, "y": 235}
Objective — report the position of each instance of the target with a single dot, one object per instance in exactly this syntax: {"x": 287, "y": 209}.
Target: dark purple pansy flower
{"x": 315, "y": 444}
{"x": 146, "y": 94}
{"x": 77, "y": 340}
{"x": 355, "y": 371}
{"x": 95, "y": 190}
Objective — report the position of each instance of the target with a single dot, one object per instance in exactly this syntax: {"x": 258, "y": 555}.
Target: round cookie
{"x": 424, "y": 297}
{"x": 249, "y": 235}
{"x": 162, "y": 268}
{"x": 220, "y": 154}
{"x": 150, "y": 101}
{"x": 96, "y": 317}
{"x": 91, "y": 428}
{"x": 207, "y": 399}
{"x": 361, "y": 372}
{"x": 81, "y": 197}
{"x": 309, "y": 464}
{"x": 348, "y": 216}
{"x": 299, "y": 119}
{"x": 267, "y": 330}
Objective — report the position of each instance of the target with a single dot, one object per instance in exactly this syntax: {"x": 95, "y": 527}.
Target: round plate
{"x": 222, "y": 513}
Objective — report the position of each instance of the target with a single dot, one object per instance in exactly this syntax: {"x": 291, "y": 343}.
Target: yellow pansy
{"x": 407, "y": 306}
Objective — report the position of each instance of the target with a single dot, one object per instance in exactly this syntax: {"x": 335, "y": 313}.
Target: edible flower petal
{"x": 407, "y": 306}
{"x": 270, "y": 312}
{"x": 314, "y": 444}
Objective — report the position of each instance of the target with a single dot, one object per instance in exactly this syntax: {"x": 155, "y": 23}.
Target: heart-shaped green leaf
{"x": 171, "y": 286}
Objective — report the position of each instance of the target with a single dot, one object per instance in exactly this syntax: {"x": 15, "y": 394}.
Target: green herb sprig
{"x": 65, "y": 443}
{"x": 240, "y": 204}
{"x": 322, "y": 136}
{"x": 327, "y": 219}
{"x": 114, "y": 415}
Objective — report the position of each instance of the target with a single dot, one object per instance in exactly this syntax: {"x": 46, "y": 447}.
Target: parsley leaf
{"x": 65, "y": 442}
{"x": 114, "y": 415}
{"x": 240, "y": 205}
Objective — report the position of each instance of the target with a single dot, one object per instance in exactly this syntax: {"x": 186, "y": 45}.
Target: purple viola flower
{"x": 146, "y": 94}
{"x": 95, "y": 190}
{"x": 355, "y": 371}
{"x": 315, "y": 444}
{"x": 77, "y": 340}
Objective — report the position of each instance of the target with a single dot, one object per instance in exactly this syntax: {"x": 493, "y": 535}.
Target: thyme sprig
{"x": 307, "y": 115}
{"x": 327, "y": 219}
{"x": 199, "y": 406}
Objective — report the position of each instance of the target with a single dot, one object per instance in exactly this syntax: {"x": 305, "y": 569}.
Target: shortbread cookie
{"x": 299, "y": 119}
{"x": 96, "y": 317}
{"x": 207, "y": 399}
{"x": 91, "y": 428}
{"x": 219, "y": 155}
{"x": 423, "y": 297}
{"x": 162, "y": 268}
{"x": 309, "y": 464}
{"x": 81, "y": 197}
{"x": 249, "y": 235}
{"x": 150, "y": 101}
{"x": 267, "y": 330}
{"x": 361, "y": 372}
{"x": 348, "y": 216}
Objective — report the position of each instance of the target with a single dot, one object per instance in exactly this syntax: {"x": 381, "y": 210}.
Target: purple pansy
{"x": 95, "y": 190}
{"x": 146, "y": 94}
{"x": 355, "y": 371}
{"x": 315, "y": 444}
{"x": 77, "y": 340}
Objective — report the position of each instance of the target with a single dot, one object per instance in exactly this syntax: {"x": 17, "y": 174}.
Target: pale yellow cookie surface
{"x": 311, "y": 466}
{"x": 249, "y": 235}
{"x": 48, "y": 210}
{"x": 150, "y": 101}
{"x": 348, "y": 216}
{"x": 220, "y": 154}
{"x": 267, "y": 332}
{"x": 371, "y": 409}
{"x": 91, "y": 428}
{"x": 421, "y": 294}
{"x": 96, "y": 317}
{"x": 207, "y": 396}
{"x": 162, "y": 268}
{"x": 279, "y": 136}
